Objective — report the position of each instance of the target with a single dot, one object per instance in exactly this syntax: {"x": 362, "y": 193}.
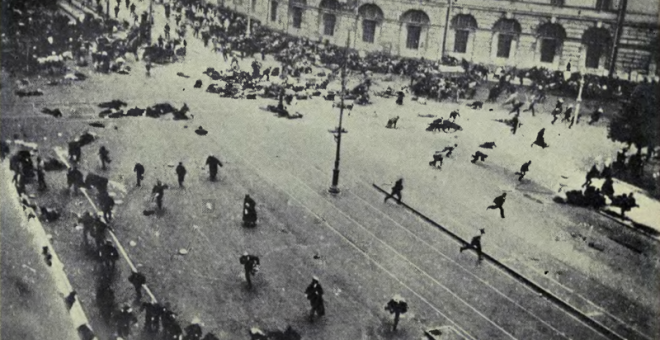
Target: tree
{"x": 638, "y": 123}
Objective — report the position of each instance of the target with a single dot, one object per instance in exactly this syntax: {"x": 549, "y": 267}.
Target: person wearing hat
{"x": 568, "y": 114}
{"x": 475, "y": 243}
{"x": 180, "y": 174}
{"x": 251, "y": 265}
{"x": 396, "y": 306}
{"x": 499, "y": 202}
{"x": 595, "y": 116}
{"x": 314, "y": 294}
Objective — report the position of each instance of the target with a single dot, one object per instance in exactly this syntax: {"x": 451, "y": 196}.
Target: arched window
{"x": 550, "y": 37}
{"x": 415, "y": 21}
{"x": 372, "y": 17}
{"x": 273, "y": 10}
{"x": 507, "y": 31}
{"x": 597, "y": 41}
{"x": 297, "y": 9}
{"x": 462, "y": 24}
{"x": 328, "y": 16}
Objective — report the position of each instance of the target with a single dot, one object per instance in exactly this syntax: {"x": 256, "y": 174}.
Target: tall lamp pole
{"x": 335, "y": 172}
{"x": 249, "y": 17}
{"x": 578, "y": 101}
{"x": 444, "y": 36}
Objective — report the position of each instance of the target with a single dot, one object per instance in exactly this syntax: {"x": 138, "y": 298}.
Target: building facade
{"x": 592, "y": 35}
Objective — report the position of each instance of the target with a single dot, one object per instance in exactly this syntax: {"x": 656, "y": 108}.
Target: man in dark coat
{"x": 540, "y": 140}
{"x": 475, "y": 244}
{"x": 106, "y": 202}
{"x": 180, "y": 174}
{"x": 74, "y": 151}
{"x": 396, "y": 306}
{"x": 437, "y": 157}
{"x": 249, "y": 211}
{"x": 139, "y": 173}
{"x": 109, "y": 256}
{"x": 314, "y": 294}
{"x": 499, "y": 202}
{"x": 125, "y": 319}
{"x": 213, "y": 164}
{"x": 396, "y": 191}
{"x": 159, "y": 191}
{"x": 523, "y": 170}
{"x": 593, "y": 173}
{"x": 137, "y": 280}
{"x": 250, "y": 265}
{"x": 449, "y": 149}
{"x": 104, "y": 156}
{"x": 595, "y": 116}
{"x": 152, "y": 315}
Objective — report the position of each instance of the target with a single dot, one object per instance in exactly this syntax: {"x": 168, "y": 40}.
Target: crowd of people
{"x": 224, "y": 31}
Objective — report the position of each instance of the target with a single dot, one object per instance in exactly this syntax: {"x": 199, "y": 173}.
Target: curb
{"x": 636, "y": 227}
{"x": 606, "y": 331}
{"x": 41, "y": 241}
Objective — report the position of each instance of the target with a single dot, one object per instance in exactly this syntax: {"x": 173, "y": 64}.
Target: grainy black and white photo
{"x": 330, "y": 170}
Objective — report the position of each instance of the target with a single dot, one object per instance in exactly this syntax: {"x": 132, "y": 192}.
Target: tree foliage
{"x": 638, "y": 123}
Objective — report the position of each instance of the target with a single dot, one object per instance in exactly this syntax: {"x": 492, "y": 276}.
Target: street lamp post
{"x": 335, "y": 172}
{"x": 578, "y": 101}
{"x": 249, "y": 17}
{"x": 444, "y": 37}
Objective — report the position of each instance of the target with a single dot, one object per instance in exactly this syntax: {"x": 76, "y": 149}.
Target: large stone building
{"x": 525, "y": 33}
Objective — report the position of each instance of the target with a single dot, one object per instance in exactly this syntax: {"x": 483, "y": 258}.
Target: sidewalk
{"x": 32, "y": 307}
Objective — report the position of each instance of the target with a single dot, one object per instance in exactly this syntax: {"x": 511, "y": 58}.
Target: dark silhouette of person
{"x": 608, "y": 188}
{"x": 249, "y": 211}
{"x": 595, "y": 116}
{"x": 391, "y": 123}
{"x": 454, "y": 114}
{"x": 516, "y": 107}
{"x": 396, "y": 191}
{"x": 479, "y": 156}
{"x": 523, "y": 170}
{"x": 540, "y": 141}
{"x": 568, "y": 114}
{"x": 137, "y": 280}
{"x": 250, "y": 265}
{"x": 499, "y": 202}
{"x": 488, "y": 145}
{"x": 159, "y": 191}
{"x": 515, "y": 124}
{"x": 314, "y": 294}
{"x": 139, "y": 173}
{"x": 104, "y": 156}
{"x": 449, "y": 149}
{"x": 475, "y": 244}
{"x": 559, "y": 107}
{"x": 593, "y": 173}
{"x": 437, "y": 157}
{"x": 213, "y": 164}
{"x": 397, "y": 306}
{"x": 180, "y": 174}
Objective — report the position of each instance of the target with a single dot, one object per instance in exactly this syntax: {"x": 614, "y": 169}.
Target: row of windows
{"x": 551, "y": 35}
